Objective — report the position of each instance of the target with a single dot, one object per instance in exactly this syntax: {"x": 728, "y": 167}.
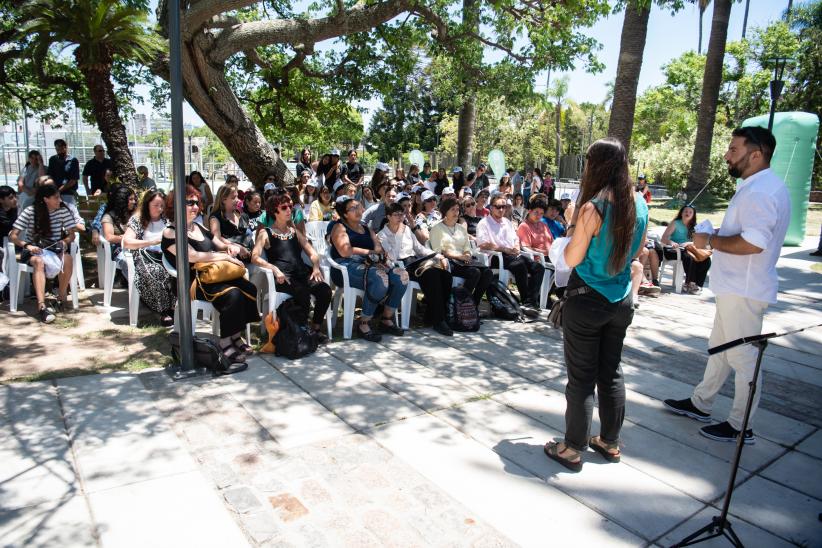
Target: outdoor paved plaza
{"x": 418, "y": 441}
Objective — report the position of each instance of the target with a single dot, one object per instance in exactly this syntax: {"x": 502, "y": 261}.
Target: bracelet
{"x": 710, "y": 239}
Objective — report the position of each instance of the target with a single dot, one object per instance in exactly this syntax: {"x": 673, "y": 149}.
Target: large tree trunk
{"x": 699, "y": 43}
{"x": 465, "y": 133}
{"x": 631, "y": 49}
{"x": 107, "y": 115}
{"x": 711, "y": 81}
{"x": 557, "y": 129}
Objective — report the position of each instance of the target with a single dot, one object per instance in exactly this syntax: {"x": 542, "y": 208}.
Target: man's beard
{"x": 734, "y": 171}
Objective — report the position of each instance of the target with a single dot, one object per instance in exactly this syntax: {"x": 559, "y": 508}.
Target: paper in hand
{"x": 705, "y": 227}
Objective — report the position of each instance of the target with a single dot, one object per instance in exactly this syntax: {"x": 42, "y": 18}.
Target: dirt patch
{"x": 89, "y": 340}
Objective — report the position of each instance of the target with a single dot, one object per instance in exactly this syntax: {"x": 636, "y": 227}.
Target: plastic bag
{"x": 557, "y": 255}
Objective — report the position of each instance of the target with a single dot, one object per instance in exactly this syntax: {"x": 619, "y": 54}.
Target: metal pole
{"x": 26, "y": 128}
{"x": 186, "y": 366}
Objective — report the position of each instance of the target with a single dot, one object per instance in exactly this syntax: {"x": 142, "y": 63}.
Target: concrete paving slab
{"x": 812, "y": 445}
{"x": 655, "y": 506}
{"x": 292, "y": 417}
{"x": 28, "y": 480}
{"x": 62, "y": 522}
{"x": 419, "y": 384}
{"x": 797, "y": 471}
{"x": 750, "y": 535}
{"x": 796, "y": 356}
{"x": 180, "y": 510}
{"x": 447, "y": 361}
{"x": 476, "y": 476}
{"x": 780, "y": 510}
{"x": 317, "y": 371}
{"x": 689, "y": 470}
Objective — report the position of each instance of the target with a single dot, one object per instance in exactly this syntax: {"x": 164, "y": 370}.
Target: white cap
{"x": 417, "y": 188}
{"x": 334, "y": 152}
{"x": 342, "y": 199}
{"x": 312, "y": 182}
{"x": 466, "y": 191}
{"x": 457, "y": 169}
{"x": 428, "y": 195}
{"x": 382, "y": 167}
{"x": 565, "y": 196}
{"x": 337, "y": 186}
{"x": 269, "y": 186}
{"x": 448, "y": 190}
{"x": 402, "y": 196}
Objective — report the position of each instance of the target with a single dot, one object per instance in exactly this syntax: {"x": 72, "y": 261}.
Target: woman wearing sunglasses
{"x": 279, "y": 249}
{"x": 235, "y": 300}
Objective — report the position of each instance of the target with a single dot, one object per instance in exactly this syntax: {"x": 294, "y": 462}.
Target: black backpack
{"x": 503, "y": 304}
{"x": 294, "y": 339}
{"x": 207, "y": 355}
{"x": 463, "y": 314}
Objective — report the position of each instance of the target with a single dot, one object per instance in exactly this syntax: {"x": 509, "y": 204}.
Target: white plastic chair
{"x": 347, "y": 294}
{"x": 276, "y": 298}
{"x": 209, "y": 312}
{"x": 77, "y": 257}
{"x": 19, "y": 280}
{"x": 133, "y": 292}
{"x": 108, "y": 266}
{"x": 547, "y": 277}
{"x": 677, "y": 268}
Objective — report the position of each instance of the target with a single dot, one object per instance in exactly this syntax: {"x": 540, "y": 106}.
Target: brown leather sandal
{"x": 552, "y": 450}
{"x": 606, "y": 449}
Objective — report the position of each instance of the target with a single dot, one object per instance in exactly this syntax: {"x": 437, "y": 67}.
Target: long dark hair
{"x": 606, "y": 175}
{"x": 117, "y": 205}
{"x": 42, "y": 221}
{"x": 145, "y": 212}
{"x": 692, "y": 224}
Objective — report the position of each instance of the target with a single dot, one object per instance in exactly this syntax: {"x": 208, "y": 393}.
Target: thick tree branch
{"x": 201, "y": 12}
{"x": 360, "y": 18}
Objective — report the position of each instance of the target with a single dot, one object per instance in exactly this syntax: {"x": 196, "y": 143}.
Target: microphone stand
{"x": 719, "y": 525}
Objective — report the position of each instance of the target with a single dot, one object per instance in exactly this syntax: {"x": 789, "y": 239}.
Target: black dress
{"x": 285, "y": 252}
{"x": 239, "y": 234}
{"x": 236, "y": 301}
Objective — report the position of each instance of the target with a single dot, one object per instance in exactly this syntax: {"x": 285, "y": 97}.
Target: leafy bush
{"x": 669, "y": 162}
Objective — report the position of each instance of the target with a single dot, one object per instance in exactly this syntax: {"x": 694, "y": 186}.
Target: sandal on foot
{"x": 551, "y": 449}
{"x": 388, "y": 326}
{"x": 241, "y": 345}
{"x": 370, "y": 335}
{"x": 232, "y": 354}
{"x": 605, "y": 449}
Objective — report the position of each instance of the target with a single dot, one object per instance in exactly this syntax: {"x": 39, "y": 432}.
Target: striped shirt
{"x": 59, "y": 219}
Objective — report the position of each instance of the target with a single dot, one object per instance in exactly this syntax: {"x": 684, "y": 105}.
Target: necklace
{"x": 451, "y": 229}
{"x": 282, "y": 235}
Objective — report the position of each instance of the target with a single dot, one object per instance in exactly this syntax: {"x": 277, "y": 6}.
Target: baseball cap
{"x": 565, "y": 196}
{"x": 269, "y": 186}
{"x": 457, "y": 169}
{"x": 482, "y": 166}
{"x": 466, "y": 191}
{"x": 402, "y": 196}
{"x": 342, "y": 199}
{"x": 334, "y": 152}
{"x": 448, "y": 190}
{"x": 428, "y": 195}
{"x": 641, "y": 176}
{"x": 382, "y": 166}
{"x": 312, "y": 182}
{"x": 338, "y": 185}
{"x": 417, "y": 188}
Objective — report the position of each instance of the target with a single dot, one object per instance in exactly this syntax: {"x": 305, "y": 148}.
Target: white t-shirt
{"x": 760, "y": 212}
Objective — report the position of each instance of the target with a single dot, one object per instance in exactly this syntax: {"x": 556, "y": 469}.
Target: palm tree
{"x": 100, "y": 32}
{"x": 558, "y": 92}
{"x": 711, "y": 81}
{"x": 631, "y": 50}
{"x": 703, "y": 5}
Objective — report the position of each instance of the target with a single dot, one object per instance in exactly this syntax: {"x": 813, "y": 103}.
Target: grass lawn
{"x": 660, "y": 215}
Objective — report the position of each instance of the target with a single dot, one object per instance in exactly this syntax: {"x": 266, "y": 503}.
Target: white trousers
{"x": 735, "y": 317}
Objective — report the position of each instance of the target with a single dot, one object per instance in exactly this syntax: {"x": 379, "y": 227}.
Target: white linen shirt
{"x": 759, "y": 211}
{"x": 401, "y": 244}
{"x": 500, "y": 234}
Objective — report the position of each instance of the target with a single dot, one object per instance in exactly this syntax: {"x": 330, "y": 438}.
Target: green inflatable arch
{"x": 792, "y": 161}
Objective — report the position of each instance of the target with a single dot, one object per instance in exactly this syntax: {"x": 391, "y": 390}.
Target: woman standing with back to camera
{"x": 607, "y": 231}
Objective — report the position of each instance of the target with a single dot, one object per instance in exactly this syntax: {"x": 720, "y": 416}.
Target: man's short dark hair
{"x": 556, "y": 204}
{"x": 59, "y": 143}
{"x": 496, "y": 197}
{"x": 758, "y": 137}
{"x": 396, "y": 207}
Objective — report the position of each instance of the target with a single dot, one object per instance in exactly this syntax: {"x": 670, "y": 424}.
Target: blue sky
{"x": 668, "y": 37}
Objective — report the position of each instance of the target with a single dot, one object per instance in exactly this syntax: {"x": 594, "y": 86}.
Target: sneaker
{"x": 817, "y": 253}
{"x": 443, "y": 329}
{"x": 725, "y": 432}
{"x": 530, "y": 309}
{"x": 693, "y": 289}
{"x": 46, "y": 315}
{"x": 655, "y": 282}
{"x": 649, "y": 290}
{"x": 687, "y": 408}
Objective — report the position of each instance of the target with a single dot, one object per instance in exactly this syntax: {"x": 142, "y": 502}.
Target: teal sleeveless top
{"x": 680, "y": 233}
{"x": 594, "y": 268}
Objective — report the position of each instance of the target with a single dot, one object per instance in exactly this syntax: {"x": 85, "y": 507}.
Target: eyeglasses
{"x": 192, "y": 203}
{"x": 286, "y": 207}
{"x": 498, "y": 206}
{"x": 354, "y": 207}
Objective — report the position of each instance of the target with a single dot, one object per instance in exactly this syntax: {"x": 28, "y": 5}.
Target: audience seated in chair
{"x": 279, "y": 249}
{"x": 143, "y": 236}
{"x": 495, "y": 233}
{"x": 121, "y": 205}
{"x": 229, "y": 225}
{"x": 450, "y": 238}
{"x": 235, "y": 300}
{"x": 678, "y": 234}
{"x": 403, "y": 249}
{"x": 356, "y": 248}
{"x": 45, "y": 231}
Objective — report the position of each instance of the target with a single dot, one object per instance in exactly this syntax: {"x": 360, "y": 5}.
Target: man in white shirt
{"x": 743, "y": 278}
{"x": 496, "y": 233}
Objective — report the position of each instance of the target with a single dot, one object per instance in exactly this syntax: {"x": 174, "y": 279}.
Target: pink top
{"x": 535, "y": 235}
